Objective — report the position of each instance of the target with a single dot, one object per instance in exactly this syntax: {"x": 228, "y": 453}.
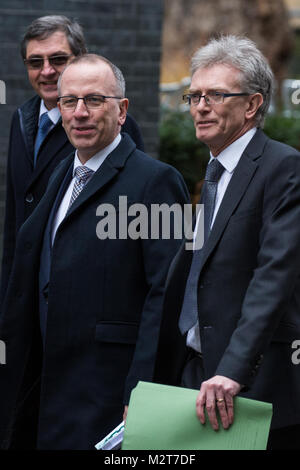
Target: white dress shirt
{"x": 229, "y": 158}
{"x": 93, "y": 164}
{"x": 53, "y": 114}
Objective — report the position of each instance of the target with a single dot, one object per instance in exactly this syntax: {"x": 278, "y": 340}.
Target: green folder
{"x": 161, "y": 417}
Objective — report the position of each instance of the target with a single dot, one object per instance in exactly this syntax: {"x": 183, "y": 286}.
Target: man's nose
{"x": 202, "y": 105}
{"x": 81, "y": 109}
{"x": 47, "y": 68}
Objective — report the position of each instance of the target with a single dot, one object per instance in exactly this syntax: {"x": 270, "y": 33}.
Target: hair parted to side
{"x": 92, "y": 59}
{"x": 242, "y": 54}
{"x": 43, "y": 27}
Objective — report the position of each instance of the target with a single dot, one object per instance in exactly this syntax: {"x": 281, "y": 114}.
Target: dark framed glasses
{"x": 90, "y": 101}
{"x": 213, "y": 97}
{"x": 36, "y": 63}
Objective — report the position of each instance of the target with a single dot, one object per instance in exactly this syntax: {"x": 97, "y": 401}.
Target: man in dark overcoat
{"x": 81, "y": 316}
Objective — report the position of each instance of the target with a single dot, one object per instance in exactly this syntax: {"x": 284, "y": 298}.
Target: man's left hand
{"x": 217, "y": 393}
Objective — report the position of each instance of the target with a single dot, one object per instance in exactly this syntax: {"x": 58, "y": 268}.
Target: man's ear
{"x": 254, "y": 103}
{"x": 123, "y": 106}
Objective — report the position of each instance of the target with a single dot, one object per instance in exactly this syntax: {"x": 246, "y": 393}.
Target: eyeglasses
{"x": 55, "y": 61}
{"x": 90, "y": 101}
{"x": 213, "y": 97}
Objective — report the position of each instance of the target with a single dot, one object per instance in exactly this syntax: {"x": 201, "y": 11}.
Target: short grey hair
{"x": 242, "y": 54}
{"x": 43, "y": 27}
{"x": 94, "y": 58}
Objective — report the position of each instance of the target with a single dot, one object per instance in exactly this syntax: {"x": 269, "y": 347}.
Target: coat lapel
{"x": 28, "y": 115}
{"x": 56, "y": 139}
{"x": 58, "y": 136}
{"x": 107, "y": 171}
{"x": 37, "y": 222}
{"x": 238, "y": 184}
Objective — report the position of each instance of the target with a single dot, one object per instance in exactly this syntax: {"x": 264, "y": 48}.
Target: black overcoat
{"x": 104, "y": 308}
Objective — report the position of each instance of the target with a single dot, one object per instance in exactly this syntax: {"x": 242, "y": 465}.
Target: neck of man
{"x": 50, "y": 104}
{"x": 85, "y": 154}
{"x": 216, "y": 150}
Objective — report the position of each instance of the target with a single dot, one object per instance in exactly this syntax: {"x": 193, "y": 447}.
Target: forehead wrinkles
{"x": 216, "y": 77}
{"x": 54, "y": 42}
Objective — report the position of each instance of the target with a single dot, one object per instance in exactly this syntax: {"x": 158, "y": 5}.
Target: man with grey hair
{"x": 37, "y": 139}
{"x": 232, "y": 309}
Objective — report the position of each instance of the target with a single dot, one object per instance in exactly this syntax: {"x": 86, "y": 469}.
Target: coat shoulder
{"x": 272, "y": 155}
{"x": 148, "y": 164}
{"x": 281, "y": 148}
{"x": 279, "y": 151}
{"x": 29, "y": 104}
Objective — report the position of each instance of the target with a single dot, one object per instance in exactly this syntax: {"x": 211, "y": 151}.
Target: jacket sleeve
{"x": 166, "y": 186}
{"x": 275, "y": 282}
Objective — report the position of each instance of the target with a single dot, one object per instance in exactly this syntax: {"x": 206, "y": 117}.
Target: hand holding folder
{"x": 162, "y": 417}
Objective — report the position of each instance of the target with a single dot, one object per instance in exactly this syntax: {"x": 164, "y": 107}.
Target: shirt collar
{"x": 96, "y": 161}
{"x": 53, "y": 114}
{"x": 230, "y": 156}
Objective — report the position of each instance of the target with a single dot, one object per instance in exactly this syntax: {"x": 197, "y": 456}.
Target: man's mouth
{"x": 83, "y": 129}
{"x": 49, "y": 84}
{"x": 205, "y": 122}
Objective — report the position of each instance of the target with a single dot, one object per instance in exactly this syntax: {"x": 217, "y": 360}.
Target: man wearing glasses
{"x": 82, "y": 312}
{"x": 232, "y": 309}
{"x": 37, "y": 140}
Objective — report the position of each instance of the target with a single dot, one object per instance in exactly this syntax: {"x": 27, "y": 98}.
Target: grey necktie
{"x": 82, "y": 174}
{"x": 189, "y": 312}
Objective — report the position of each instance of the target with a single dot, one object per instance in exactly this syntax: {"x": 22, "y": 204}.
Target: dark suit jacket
{"x": 249, "y": 285}
{"x": 104, "y": 307}
{"x": 26, "y": 185}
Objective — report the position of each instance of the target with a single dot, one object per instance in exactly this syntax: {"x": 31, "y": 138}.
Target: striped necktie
{"x": 82, "y": 174}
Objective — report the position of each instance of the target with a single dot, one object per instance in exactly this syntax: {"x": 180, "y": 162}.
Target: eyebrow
{"x": 39, "y": 56}
{"x": 218, "y": 89}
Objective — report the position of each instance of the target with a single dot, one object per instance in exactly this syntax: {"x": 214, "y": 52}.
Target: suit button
{"x": 29, "y": 197}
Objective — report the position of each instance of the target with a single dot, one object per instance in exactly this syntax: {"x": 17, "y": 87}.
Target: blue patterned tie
{"x": 189, "y": 312}
{"x": 82, "y": 174}
{"x": 44, "y": 127}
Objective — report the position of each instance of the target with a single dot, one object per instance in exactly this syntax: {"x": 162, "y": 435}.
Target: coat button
{"x": 29, "y": 197}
